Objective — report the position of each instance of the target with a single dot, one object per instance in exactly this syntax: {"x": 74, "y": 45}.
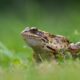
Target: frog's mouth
{"x": 32, "y": 39}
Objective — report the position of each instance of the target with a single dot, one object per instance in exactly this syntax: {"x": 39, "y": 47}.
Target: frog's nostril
{"x": 25, "y": 30}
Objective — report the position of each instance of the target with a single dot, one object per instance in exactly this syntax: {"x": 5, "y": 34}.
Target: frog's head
{"x": 34, "y": 36}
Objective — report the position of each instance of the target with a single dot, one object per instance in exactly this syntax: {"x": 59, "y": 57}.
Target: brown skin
{"x": 46, "y": 46}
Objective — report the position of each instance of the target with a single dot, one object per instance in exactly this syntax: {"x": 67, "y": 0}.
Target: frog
{"x": 47, "y": 46}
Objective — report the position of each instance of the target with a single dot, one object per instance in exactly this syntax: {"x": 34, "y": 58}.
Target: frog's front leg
{"x": 37, "y": 58}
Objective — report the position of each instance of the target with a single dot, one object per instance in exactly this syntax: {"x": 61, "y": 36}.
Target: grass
{"x": 16, "y": 59}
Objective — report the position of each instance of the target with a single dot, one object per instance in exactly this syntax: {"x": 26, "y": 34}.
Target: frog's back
{"x": 60, "y": 42}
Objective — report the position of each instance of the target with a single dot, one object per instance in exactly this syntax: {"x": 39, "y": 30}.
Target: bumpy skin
{"x": 47, "y": 46}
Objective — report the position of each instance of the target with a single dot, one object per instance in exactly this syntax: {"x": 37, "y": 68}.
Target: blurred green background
{"x": 55, "y": 16}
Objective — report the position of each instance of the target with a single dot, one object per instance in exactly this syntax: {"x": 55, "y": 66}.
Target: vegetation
{"x": 16, "y": 58}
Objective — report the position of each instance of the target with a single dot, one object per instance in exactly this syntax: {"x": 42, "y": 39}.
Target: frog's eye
{"x": 33, "y": 29}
